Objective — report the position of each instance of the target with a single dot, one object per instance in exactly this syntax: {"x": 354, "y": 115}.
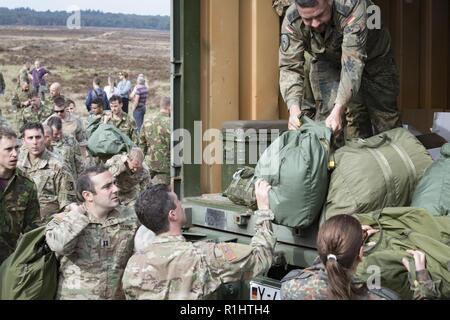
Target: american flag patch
{"x": 350, "y": 20}
{"x": 290, "y": 29}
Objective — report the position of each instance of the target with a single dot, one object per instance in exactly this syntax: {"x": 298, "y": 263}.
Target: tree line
{"x": 89, "y": 18}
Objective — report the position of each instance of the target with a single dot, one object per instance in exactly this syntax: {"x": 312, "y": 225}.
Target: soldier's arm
{"x": 291, "y": 62}
{"x": 143, "y": 140}
{"x": 133, "y": 134}
{"x": 32, "y": 216}
{"x": 235, "y": 262}
{"x": 15, "y": 101}
{"x": 424, "y": 287}
{"x": 79, "y": 163}
{"x": 80, "y": 133}
{"x": 65, "y": 187}
{"x": 354, "y": 53}
{"x": 62, "y": 231}
{"x": 146, "y": 180}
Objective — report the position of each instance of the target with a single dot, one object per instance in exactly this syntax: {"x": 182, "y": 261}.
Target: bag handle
{"x": 362, "y": 144}
{"x": 376, "y": 216}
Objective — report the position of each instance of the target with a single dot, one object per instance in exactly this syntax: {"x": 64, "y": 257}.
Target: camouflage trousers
{"x": 159, "y": 178}
{"x": 371, "y": 111}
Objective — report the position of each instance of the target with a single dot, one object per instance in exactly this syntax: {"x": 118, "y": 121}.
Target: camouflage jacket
{"x": 50, "y": 100}
{"x": 19, "y": 212}
{"x": 3, "y": 122}
{"x": 174, "y": 269}
{"x": 69, "y": 151}
{"x": 347, "y": 42}
{"x": 93, "y": 253}
{"x": 23, "y": 77}
{"x": 19, "y": 99}
{"x": 130, "y": 184}
{"x": 55, "y": 184}
{"x": 155, "y": 142}
{"x": 125, "y": 124}
{"x": 30, "y": 115}
{"x": 73, "y": 127}
{"x": 312, "y": 283}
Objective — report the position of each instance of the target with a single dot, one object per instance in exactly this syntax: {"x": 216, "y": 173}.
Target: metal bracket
{"x": 241, "y": 219}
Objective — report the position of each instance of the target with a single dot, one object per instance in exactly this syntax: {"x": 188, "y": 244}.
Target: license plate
{"x": 260, "y": 291}
{"x": 215, "y": 219}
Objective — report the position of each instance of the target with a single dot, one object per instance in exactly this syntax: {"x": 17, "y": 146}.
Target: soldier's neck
{"x": 5, "y": 174}
{"x": 97, "y": 212}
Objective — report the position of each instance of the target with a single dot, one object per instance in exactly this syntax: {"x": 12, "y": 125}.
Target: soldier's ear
{"x": 87, "y": 196}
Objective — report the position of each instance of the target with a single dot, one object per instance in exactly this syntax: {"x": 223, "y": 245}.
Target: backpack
{"x": 31, "y": 272}
{"x": 107, "y": 140}
{"x": 296, "y": 166}
{"x": 376, "y": 173}
{"x": 241, "y": 190}
{"x": 404, "y": 229}
{"x": 433, "y": 191}
{"x": 102, "y": 95}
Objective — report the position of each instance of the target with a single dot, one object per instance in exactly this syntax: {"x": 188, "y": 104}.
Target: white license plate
{"x": 263, "y": 292}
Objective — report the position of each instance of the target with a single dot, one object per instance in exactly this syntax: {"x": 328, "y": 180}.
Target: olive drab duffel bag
{"x": 376, "y": 173}
{"x": 433, "y": 191}
{"x": 296, "y": 166}
{"x": 31, "y": 272}
{"x": 241, "y": 190}
{"x": 107, "y": 141}
{"x": 404, "y": 229}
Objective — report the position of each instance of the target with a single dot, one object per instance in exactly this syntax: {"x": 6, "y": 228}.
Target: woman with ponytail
{"x": 340, "y": 245}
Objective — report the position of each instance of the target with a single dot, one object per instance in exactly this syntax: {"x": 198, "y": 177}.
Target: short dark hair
{"x": 306, "y": 3}
{"x": 116, "y": 98}
{"x": 84, "y": 182}
{"x": 55, "y": 122}
{"x": 96, "y": 80}
{"x": 31, "y": 126}
{"x": 7, "y": 133}
{"x": 59, "y": 102}
{"x": 98, "y": 101}
{"x": 34, "y": 94}
{"x": 152, "y": 208}
{"x": 69, "y": 102}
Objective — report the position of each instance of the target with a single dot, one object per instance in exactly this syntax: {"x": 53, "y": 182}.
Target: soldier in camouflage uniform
{"x": 19, "y": 206}
{"x": 55, "y": 93}
{"x": 22, "y": 97}
{"x": 131, "y": 174}
{"x": 2, "y": 84}
{"x": 340, "y": 244}
{"x": 155, "y": 142}
{"x": 24, "y": 75}
{"x": 350, "y": 68}
{"x": 37, "y": 112}
{"x": 65, "y": 146}
{"x": 3, "y": 122}
{"x": 120, "y": 119}
{"x": 94, "y": 240}
{"x": 55, "y": 184}
{"x": 171, "y": 268}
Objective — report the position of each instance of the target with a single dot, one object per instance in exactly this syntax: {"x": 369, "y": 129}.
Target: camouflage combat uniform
{"x": 125, "y": 124}
{"x": 3, "y": 122}
{"x": 19, "y": 211}
{"x": 174, "y": 269}
{"x": 94, "y": 253}
{"x": 130, "y": 184}
{"x": 19, "y": 98}
{"x": 281, "y": 5}
{"x": 155, "y": 143}
{"x": 55, "y": 184}
{"x": 51, "y": 99}
{"x": 348, "y": 65}
{"x": 29, "y": 114}
{"x": 311, "y": 284}
{"x": 69, "y": 151}
{"x": 23, "y": 77}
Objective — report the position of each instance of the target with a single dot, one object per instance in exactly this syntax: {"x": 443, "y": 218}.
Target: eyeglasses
{"x": 59, "y": 111}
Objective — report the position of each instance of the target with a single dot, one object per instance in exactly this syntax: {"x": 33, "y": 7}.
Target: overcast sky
{"x": 143, "y": 7}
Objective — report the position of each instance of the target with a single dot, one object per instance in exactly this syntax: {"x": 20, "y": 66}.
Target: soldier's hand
{"x": 294, "y": 122}
{"x": 420, "y": 260}
{"x": 262, "y": 194}
{"x": 335, "y": 119}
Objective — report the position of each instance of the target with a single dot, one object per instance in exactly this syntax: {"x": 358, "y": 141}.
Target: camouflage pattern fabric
{"x": 125, "y": 124}
{"x": 241, "y": 190}
{"x": 55, "y": 184}
{"x": 19, "y": 99}
{"x": 50, "y": 101}
{"x": 2, "y": 84}
{"x": 93, "y": 253}
{"x": 23, "y": 77}
{"x": 19, "y": 212}
{"x": 3, "y": 122}
{"x": 130, "y": 184}
{"x": 69, "y": 151}
{"x": 281, "y": 5}
{"x": 29, "y": 114}
{"x": 356, "y": 63}
{"x": 174, "y": 269}
{"x": 155, "y": 143}
{"x": 312, "y": 284}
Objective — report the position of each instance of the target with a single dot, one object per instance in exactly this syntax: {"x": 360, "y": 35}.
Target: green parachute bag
{"x": 107, "y": 141}
{"x": 433, "y": 191}
{"x": 241, "y": 190}
{"x": 296, "y": 166}
{"x": 31, "y": 272}
{"x": 375, "y": 173}
{"x": 404, "y": 229}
